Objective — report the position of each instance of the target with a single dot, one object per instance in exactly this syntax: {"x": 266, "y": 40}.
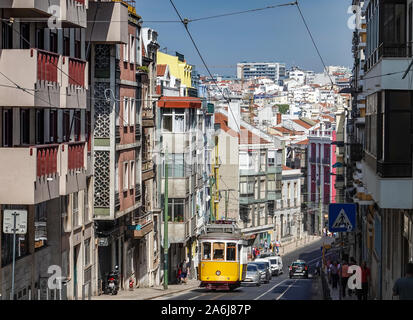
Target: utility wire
{"x": 242, "y": 12}
{"x": 185, "y": 23}
{"x": 314, "y": 43}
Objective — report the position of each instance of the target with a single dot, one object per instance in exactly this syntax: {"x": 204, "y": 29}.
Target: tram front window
{"x": 206, "y": 252}
{"x": 231, "y": 251}
{"x": 219, "y": 250}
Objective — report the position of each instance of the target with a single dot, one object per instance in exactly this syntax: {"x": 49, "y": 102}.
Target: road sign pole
{"x": 14, "y": 255}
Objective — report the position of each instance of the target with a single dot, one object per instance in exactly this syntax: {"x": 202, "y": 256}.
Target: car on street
{"x": 276, "y": 265}
{"x": 299, "y": 268}
{"x": 253, "y": 276}
{"x": 264, "y": 268}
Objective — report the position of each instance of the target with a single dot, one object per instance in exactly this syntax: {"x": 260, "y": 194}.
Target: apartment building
{"x": 321, "y": 177}
{"x": 45, "y": 150}
{"x": 381, "y": 141}
{"x": 258, "y": 170}
{"x": 186, "y": 125}
{"x": 273, "y": 70}
{"x": 288, "y": 219}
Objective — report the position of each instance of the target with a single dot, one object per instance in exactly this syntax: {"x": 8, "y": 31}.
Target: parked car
{"x": 264, "y": 267}
{"x": 299, "y": 268}
{"x": 253, "y": 276}
{"x": 276, "y": 265}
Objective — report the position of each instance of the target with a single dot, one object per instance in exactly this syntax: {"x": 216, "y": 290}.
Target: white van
{"x": 276, "y": 265}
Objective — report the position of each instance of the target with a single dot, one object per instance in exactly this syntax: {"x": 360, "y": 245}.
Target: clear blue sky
{"x": 270, "y": 35}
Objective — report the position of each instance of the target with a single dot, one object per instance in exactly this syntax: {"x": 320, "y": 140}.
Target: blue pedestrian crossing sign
{"x": 342, "y": 217}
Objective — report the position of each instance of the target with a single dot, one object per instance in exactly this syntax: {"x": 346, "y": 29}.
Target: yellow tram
{"x": 222, "y": 259}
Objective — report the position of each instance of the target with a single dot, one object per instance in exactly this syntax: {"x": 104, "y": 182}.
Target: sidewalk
{"x": 335, "y": 293}
{"x": 297, "y": 244}
{"x": 149, "y": 293}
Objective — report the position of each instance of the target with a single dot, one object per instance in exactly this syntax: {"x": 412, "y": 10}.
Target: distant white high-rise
{"x": 272, "y": 70}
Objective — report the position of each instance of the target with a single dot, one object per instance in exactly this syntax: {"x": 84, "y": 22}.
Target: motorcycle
{"x": 113, "y": 282}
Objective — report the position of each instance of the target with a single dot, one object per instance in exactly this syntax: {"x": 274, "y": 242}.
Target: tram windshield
{"x": 219, "y": 251}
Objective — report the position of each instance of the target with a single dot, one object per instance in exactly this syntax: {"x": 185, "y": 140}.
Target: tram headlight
{"x": 218, "y": 273}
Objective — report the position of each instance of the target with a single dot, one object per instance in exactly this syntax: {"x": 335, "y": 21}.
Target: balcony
{"x": 148, "y": 117}
{"x": 246, "y": 198}
{"x": 75, "y": 83}
{"x": 29, "y": 175}
{"x": 320, "y": 133}
{"x": 138, "y": 134}
{"x": 113, "y": 22}
{"x": 177, "y": 187}
{"x": 143, "y": 225}
{"x": 137, "y": 192}
{"x": 73, "y": 13}
{"x": 176, "y": 232}
{"x": 147, "y": 170}
{"x": 28, "y": 8}
{"x": 37, "y": 73}
{"x": 73, "y": 168}
{"x": 386, "y": 169}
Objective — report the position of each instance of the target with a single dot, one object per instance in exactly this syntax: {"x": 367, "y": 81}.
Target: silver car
{"x": 253, "y": 276}
{"x": 265, "y": 272}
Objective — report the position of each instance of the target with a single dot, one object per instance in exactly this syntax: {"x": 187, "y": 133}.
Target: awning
{"x": 180, "y": 102}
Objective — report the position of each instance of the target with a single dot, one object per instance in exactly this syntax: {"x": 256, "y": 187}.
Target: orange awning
{"x": 179, "y": 102}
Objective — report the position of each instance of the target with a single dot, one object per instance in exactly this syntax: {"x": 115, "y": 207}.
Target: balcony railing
{"x": 47, "y": 159}
{"x": 394, "y": 51}
{"x": 47, "y": 63}
{"x": 137, "y": 192}
{"x": 394, "y": 169}
{"x": 76, "y": 158}
{"x": 77, "y": 70}
{"x": 137, "y": 132}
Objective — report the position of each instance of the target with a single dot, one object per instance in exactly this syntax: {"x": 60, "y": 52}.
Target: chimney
{"x": 279, "y": 118}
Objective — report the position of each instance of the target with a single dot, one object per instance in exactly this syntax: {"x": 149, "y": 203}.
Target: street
{"x": 279, "y": 288}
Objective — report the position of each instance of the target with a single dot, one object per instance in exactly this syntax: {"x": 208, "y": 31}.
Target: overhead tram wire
{"x": 185, "y": 23}
{"x": 314, "y": 43}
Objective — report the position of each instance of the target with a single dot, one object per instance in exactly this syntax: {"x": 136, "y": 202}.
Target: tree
{"x": 283, "y": 108}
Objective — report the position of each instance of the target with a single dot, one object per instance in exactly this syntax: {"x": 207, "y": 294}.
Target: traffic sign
{"x": 342, "y": 217}
{"x": 21, "y": 221}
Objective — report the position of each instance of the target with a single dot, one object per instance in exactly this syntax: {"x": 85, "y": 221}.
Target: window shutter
{"x": 132, "y": 111}
{"x": 125, "y": 112}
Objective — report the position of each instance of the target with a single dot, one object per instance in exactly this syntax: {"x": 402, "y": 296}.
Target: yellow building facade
{"x": 179, "y": 69}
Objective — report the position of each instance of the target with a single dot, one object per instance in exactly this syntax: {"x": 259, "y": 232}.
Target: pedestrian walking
{"x": 334, "y": 274}
{"x": 403, "y": 287}
{"x": 266, "y": 245}
{"x": 365, "y": 278}
{"x": 344, "y": 277}
{"x": 277, "y": 246}
{"x": 184, "y": 272}
{"x": 179, "y": 274}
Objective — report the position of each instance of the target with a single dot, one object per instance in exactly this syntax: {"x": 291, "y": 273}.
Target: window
{"x": 40, "y": 226}
{"x": 7, "y": 36}
{"x": 78, "y": 49}
{"x": 53, "y": 125}
{"x": 174, "y": 121}
{"x": 66, "y": 46}
{"x": 53, "y": 42}
{"x": 76, "y": 126}
{"x": 125, "y": 176}
{"x": 176, "y": 166}
{"x": 218, "y": 251}
{"x": 125, "y": 112}
{"x": 206, "y": 251}
{"x": 262, "y": 189}
{"x": 24, "y": 126}
{"x": 132, "y": 112}
{"x": 87, "y": 252}
{"x": 25, "y": 36}
{"x": 75, "y": 209}
{"x": 86, "y": 217}
{"x": 66, "y": 126}
{"x": 176, "y": 210}
{"x": 125, "y": 52}
{"x": 132, "y": 48}
{"x": 132, "y": 175}
{"x": 40, "y": 126}
{"x": 231, "y": 251}
{"x": 40, "y": 39}
{"x": 7, "y": 127}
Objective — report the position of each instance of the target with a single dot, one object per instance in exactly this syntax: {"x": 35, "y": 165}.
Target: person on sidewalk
{"x": 334, "y": 274}
{"x": 344, "y": 277}
{"x": 266, "y": 245}
{"x": 277, "y": 246}
{"x": 403, "y": 287}
{"x": 365, "y": 278}
{"x": 185, "y": 271}
{"x": 179, "y": 275}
